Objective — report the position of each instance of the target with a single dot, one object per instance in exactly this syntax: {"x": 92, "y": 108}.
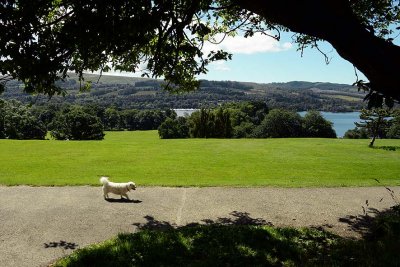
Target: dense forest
{"x": 139, "y": 93}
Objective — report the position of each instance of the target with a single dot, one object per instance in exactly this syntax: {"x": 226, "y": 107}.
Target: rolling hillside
{"x": 141, "y": 93}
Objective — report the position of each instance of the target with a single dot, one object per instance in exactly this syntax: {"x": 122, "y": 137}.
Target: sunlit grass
{"x": 148, "y": 160}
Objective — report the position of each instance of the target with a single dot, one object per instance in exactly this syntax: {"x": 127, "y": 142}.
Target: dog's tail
{"x": 104, "y": 180}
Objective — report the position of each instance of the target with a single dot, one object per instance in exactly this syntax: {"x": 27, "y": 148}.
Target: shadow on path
{"x": 368, "y": 223}
{"x": 122, "y": 200}
{"x": 61, "y": 244}
{"x": 237, "y": 218}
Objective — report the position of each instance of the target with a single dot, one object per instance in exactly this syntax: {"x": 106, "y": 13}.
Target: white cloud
{"x": 240, "y": 45}
{"x": 220, "y": 66}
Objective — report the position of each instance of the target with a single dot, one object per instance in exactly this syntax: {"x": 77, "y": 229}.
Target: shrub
{"x": 279, "y": 123}
{"x": 356, "y": 133}
{"x": 17, "y": 122}
{"x": 75, "y": 124}
{"x": 394, "y": 131}
{"x": 173, "y": 128}
{"x": 244, "y": 130}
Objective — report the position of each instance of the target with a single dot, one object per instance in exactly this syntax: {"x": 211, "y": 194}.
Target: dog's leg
{"x": 125, "y": 195}
{"x": 105, "y": 192}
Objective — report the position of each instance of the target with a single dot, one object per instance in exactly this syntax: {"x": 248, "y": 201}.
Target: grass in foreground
{"x": 148, "y": 160}
{"x": 244, "y": 245}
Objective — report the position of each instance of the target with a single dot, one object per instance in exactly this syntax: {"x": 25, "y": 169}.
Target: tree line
{"x": 246, "y": 120}
{"x": 232, "y": 120}
{"x": 73, "y": 122}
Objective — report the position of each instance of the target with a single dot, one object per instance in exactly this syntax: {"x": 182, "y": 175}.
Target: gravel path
{"x": 41, "y": 224}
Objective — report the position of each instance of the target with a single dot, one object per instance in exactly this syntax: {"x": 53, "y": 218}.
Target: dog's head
{"x": 131, "y": 186}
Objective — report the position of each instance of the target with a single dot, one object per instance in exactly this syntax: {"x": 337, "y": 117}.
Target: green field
{"x": 148, "y": 160}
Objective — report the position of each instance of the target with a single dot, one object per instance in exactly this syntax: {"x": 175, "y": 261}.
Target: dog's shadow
{"x": 122, "y": 200}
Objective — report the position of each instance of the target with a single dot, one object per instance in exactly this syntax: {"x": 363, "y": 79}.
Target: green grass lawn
{"x": 147, "y": 160}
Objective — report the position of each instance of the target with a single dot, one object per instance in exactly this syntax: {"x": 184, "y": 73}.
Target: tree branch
{"x": 334, "y": 22}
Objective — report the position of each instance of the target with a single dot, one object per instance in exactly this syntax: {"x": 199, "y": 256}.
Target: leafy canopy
{"x": 41, "y": 41}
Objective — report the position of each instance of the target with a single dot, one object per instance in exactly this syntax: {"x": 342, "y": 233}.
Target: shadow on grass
{"x": 240, "y": 240}
{"x": 237, "y": 240}
{"x": 388, "y": 148}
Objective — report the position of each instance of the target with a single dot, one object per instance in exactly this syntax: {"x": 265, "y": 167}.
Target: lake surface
{"x": 184, "y": 112}
{"x": 342, "y": 121}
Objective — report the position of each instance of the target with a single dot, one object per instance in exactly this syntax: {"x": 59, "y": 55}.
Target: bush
{"x": 394, "y": 131}
{"x": 356, "y": 133}
{"x": 75, "y": 124}
{"x": 174, "y": 128}
{"x": 17, "y": 122}
{"x": 24, "y": 126}
{"x": 244, "y": 130}
{"x": 279, "y": 123}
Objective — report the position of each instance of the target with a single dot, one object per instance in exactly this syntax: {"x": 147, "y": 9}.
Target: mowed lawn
{"x": 144, "y": 158}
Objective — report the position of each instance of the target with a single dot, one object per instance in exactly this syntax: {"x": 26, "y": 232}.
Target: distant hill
{"x": 309, "y": 85}
{"x": 140, "y": 93}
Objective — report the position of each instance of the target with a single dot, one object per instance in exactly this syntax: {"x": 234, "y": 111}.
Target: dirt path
{"x": 40, "y": 224}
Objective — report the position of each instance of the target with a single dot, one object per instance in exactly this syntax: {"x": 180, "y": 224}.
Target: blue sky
{"x": 262, "y": 59}
{"x": 279, "y": 62}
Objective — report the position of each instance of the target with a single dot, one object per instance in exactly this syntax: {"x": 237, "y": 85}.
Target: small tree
{"x": 315, "y": 125}
{"x": 375, "y": 121}
{"x": 222, "y": 124}
{"x": 201, "y": 124}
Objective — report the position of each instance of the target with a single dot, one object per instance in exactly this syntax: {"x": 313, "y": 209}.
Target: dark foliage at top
{"x": 41, "y": 41}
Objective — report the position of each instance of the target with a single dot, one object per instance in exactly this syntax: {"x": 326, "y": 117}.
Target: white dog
{"x": 116, "y": 188}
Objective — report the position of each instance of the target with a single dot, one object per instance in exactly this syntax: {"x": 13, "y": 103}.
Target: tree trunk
{"x": 371, "y": 143}
{"x": 334, "y": 22}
